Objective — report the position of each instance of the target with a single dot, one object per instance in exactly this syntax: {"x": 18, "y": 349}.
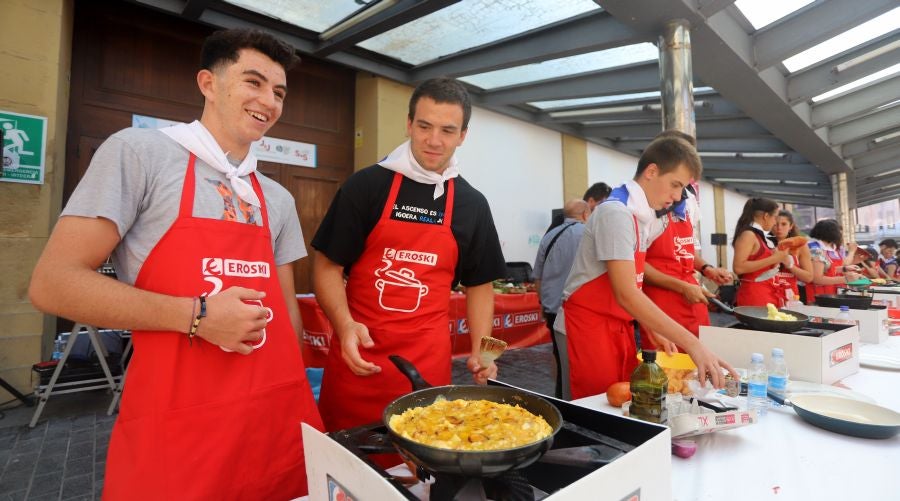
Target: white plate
{"x": 801, "y": 387}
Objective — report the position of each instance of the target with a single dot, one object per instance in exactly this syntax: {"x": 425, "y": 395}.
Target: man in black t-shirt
{"x": 403, "y": 232}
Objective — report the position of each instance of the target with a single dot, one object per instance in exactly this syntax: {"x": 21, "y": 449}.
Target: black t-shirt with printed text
{"x": 358, "y": 205}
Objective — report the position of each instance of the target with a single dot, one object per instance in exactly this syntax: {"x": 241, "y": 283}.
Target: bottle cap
{"x": 756, "y": 357}
{"x": 648, "y": 355}
{"x": 777, "y": 352}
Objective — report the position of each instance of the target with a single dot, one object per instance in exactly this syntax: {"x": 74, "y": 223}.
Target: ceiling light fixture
{"x": 612, "y": 110}
{"x": 881, "y": 139}
{"x": 872, "y": 54}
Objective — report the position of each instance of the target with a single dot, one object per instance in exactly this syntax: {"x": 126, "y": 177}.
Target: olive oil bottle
{"x": 648, "y": 390}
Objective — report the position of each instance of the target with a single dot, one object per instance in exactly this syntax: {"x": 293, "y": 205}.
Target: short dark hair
{"x": 829, "y": 231}
{"x": 668, "y": 151}
{"x": 597, "y": 191}
{"x": 889, "y": 243}
{"x": 677, "y": 133}
{"x": 443, "y": 90}
{"x": 225, "y": 46}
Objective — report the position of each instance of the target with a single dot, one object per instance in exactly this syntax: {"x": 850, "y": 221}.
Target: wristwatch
{"x": 704, "y": 267}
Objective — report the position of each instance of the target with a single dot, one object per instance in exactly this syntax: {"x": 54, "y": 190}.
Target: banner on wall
{"x": 24, "y": 141}
{"x": 267, "y": 149}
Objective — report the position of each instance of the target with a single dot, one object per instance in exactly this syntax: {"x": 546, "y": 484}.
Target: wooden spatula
{"x": 491, "y": 349}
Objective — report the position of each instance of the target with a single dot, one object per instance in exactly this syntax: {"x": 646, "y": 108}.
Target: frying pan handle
{"x": 778, "y": 398}
{"x": 409, "y": 370}
{"x": 722, "y": 306}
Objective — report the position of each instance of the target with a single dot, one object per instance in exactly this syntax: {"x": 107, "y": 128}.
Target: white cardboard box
{"x": 873, "y": 324}
{"x": 331, "y": 468}
{"x": 823, "y": 359}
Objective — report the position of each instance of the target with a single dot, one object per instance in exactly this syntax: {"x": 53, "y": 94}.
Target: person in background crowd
{"x": 405, "y": 230}
{"x": 756, "y": 259}
{"x": 801, "y": 270}
{"x": 216, "y": 387}
{"x": 869, "y": 263}
{"x": 831, "y": 266}
{"x": 552, "y": 264}
{"x": 887, "y": 259}
{"x": 602, "y": 295}
{"x": 594, "y": 195}
{"x": 672, "y": 260}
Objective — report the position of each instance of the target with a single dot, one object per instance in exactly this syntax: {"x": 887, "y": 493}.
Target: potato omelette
{"x": 470, "y": 425}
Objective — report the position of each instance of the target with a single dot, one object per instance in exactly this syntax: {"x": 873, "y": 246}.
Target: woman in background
{"x": 800, "y": 267}
{"x": 756, "y": 259}
{"x": 831, "y": 265}
{"x": 887, "y": 260}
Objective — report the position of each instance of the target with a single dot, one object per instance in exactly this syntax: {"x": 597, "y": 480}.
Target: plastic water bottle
{"x": 778, "y": 373}
{"x": 843, "y": 316}
{"x": 757, "y": 382}
{"x": 58, "y": 348}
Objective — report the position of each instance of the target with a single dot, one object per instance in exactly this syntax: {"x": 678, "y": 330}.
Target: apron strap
{"x": 186, "y": 207}
{"x": 448, "y": 205}
{"x": 392, "y": 196}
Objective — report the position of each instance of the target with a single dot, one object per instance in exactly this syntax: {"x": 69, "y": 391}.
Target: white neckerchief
{"x": 637, "y": 203}
{"x": 401, "y": 160}
{"x": 766, "y": 235}
{"x": 200, "y": 142}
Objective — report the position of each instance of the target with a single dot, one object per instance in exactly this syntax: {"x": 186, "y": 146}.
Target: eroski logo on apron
{"x": 215, "y": 267}
{"x": 400, "y": 290}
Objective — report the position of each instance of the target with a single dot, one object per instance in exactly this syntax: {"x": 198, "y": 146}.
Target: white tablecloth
{"x": 785, "y": 458}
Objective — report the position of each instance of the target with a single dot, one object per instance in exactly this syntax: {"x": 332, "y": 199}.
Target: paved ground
{"x": 64, "y": 456}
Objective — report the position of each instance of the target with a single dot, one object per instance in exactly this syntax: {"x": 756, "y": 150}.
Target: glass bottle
{"x": 648, "y": 390}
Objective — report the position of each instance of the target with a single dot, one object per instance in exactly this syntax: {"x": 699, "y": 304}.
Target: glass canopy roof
{"x": 765, "y": 12}
{"x": 469, "y": 24}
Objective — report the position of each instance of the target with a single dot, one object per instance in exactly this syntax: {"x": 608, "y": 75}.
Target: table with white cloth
{"x": 785, "y": 458}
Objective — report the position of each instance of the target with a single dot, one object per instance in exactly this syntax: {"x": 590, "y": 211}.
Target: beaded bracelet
{"x": 196, "y": 323}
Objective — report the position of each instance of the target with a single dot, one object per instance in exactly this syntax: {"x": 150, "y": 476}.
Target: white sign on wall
{"x": 267, "y": 149}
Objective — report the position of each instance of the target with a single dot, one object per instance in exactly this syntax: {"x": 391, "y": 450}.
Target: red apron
{"x": 600, "y": 334}
{"x": 786, "y": 281}
{"x": 197, "y": 422}
{"x": 812, "y": 290}
{"x": 673, "y": 254}
{"x": 752, "y": 293}
{"x": 400, "y": 289}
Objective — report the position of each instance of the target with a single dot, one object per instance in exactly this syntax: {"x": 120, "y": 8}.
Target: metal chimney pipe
{"x": 676, "y": 79}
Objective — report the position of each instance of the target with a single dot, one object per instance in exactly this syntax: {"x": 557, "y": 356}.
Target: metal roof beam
{"x": 868, "y": 144}
{"x": 755, "y": 174}
{"x": 590, "y": 32}
{"x": 875, "y": 55}
{"x": 724, "y": 127}
{"x": 723, "y": 59}
{"x": 194, "y": 8}
{"x": 405, "y": 11}
{"x": 737, "y": 144}
{"x": 877, "y": 157}
{"x": 864, "y": 173}
{"x": 812, "y": 199}
{"x": 711, "y": 106}
{"x": 710, "y": 7}
{"x": 874, "y": 199}
{"x": 872, "y": 123}
{"x": 770, "y": 170}
{"x": 810, "y": 26}
{"x": 858, "y": 102}
{"x": 797, "y": 189}
{"x": 863, "y": 189}
{"x": 641, "y": 77}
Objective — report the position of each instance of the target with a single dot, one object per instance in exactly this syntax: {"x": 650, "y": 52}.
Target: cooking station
{"x": 591, "y": 451}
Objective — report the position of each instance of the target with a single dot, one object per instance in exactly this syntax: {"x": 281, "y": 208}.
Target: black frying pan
{"x": 757, "y": 317}
{"x": 848, "y": 300}
{"x": 475, "y": 463}
{"x": 843, "y": 415}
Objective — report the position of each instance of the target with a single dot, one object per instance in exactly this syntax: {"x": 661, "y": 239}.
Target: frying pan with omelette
{"x": 483, "y": 463}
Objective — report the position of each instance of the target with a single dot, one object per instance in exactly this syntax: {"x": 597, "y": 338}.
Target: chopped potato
{"x": 470, "y": 425}
{"x": 774, "y": 314}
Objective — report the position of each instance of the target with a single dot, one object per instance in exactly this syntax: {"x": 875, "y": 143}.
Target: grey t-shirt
{"x": 608, "y": 236}
{"x": 135, "y": 180}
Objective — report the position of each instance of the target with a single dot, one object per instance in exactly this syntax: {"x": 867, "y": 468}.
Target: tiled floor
{"x": 63, "y": 457}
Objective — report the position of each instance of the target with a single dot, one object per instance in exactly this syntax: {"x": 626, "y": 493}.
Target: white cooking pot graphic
{"x": 269, "y": 316}
{"x": 400, "y": 291}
